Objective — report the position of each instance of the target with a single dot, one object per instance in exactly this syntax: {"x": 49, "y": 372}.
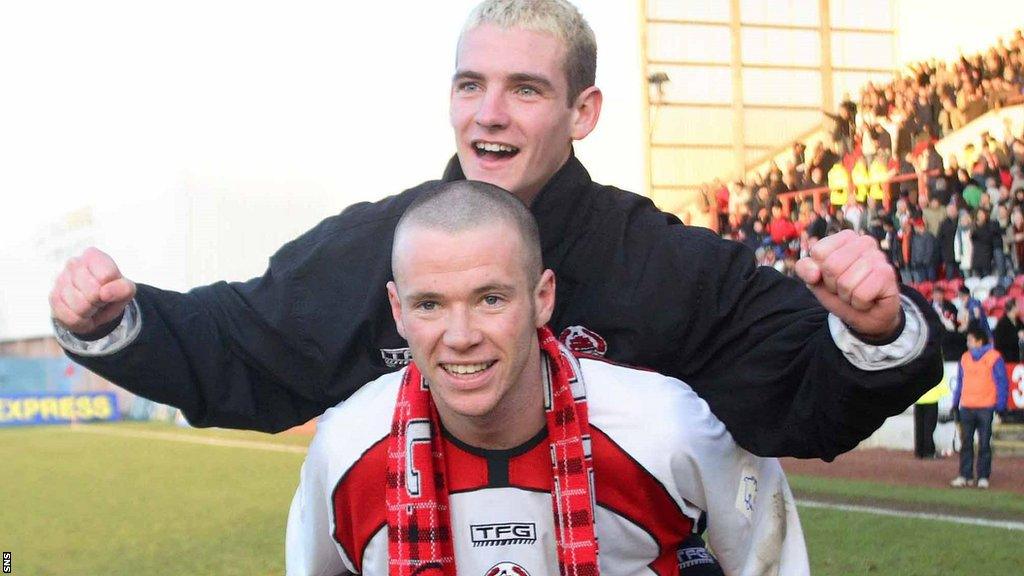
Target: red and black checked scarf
{"x": 419, "y": 525}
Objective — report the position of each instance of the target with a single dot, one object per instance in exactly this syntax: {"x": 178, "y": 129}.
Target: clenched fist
{"x": 90, "y": 292}
{"x": 852, "y": 279}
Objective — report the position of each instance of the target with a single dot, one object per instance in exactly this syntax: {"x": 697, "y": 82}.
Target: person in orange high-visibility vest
{"x": 861, "y": 179}
{"x": 981, "y": 389}
{"x": 838, "y": 184}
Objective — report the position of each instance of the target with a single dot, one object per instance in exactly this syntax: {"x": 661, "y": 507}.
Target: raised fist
{"x": 852, "y": 279}
{"x": 89, "y": 293}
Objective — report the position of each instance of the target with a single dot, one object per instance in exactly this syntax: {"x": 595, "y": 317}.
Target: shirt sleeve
{"x": 310, "y": 549}
{"x": 959, "y": 385}
{"x": 752, "y": 523}
{"x": 1002, "y": 384}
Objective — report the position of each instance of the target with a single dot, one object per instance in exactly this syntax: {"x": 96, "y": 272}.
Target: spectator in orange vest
{"x": 981, "y": 390}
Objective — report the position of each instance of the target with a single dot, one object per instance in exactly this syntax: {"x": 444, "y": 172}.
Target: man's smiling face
{"x": 510, "y": 108}
{"x": 470, "y": 311}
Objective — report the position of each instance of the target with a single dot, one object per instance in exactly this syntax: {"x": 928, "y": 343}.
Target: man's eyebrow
{"x": 492, "y": 287}
{"x": 515, "y": 78}
{"x": 467, "y": 75}
{"x": 495, "y": 287}
{"x": 519, "y": 77}
{"x": 425, "y": 295}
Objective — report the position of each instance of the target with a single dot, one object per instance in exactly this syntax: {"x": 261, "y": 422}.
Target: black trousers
{"x": 926, "y": 416}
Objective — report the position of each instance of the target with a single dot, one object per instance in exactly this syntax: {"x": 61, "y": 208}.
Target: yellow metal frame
{"x": 735, "y": 63}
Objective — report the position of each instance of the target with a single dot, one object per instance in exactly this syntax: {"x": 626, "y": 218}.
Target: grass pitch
{"x": 146, "y": 499}
{"x": 88, "y": 503}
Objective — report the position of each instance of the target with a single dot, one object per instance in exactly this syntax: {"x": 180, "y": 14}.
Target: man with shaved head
{"x": 466, "y": 458}
{"x": 806, "y": 367}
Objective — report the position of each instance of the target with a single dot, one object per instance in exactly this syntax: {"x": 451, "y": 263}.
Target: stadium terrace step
{"x": 1011, "y": 432}
{"x": 1004, "y": 448}
{"x": 1008, "y": 439}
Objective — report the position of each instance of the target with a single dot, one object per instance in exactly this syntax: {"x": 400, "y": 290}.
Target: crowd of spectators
{"x": 955, "y": 217}
{"x": 968, "y": 222}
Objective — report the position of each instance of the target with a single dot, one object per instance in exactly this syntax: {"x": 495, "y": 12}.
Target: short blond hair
{"x": 463, "y": 205}
{"x": 556, "y": 17}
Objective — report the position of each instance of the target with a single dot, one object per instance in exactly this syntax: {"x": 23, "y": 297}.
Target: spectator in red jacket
{"x": 722, "y": 204}
{"x": 781, "y": 229}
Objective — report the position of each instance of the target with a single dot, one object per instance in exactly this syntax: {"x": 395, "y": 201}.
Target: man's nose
{"x": 493, "y": 110}
{"x": 461, "y": 332}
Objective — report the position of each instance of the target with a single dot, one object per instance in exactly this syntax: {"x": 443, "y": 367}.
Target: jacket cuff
{"x": 875, "y": 355}
{"x": 122, "y": 335}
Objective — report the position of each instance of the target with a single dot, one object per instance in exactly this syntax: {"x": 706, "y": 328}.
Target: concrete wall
{"x": 943, "y": 28}
{"x": 995, "y": 122}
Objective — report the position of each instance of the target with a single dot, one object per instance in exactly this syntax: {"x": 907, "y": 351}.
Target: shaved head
{"x": 454, "y": 207}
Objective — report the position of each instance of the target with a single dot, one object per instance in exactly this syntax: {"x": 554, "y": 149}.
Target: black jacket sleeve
{"x": 751, "y": 342}
{"x": 756, "y": 346}
{"x": 277, "y": 350}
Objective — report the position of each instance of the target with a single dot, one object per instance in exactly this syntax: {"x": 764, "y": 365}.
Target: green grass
{"x": 290, "y": 439}
{"x": 848, "y": 543}
{"x": 73, "y": 502}
{"x": 964, "y": 500}
{"x": 77, "y": 503}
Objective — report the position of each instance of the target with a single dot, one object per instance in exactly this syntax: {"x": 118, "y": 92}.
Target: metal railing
{"x": 816, "y": 194}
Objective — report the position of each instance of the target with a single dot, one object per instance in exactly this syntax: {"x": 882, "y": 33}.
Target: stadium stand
{"x": 940, "y": 134}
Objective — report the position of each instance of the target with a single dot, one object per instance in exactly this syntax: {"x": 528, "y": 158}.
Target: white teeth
{"x": 493, "y": 147}
{"x": 465, "y": 368}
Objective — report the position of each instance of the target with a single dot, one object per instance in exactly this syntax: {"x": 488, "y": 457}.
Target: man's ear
{"x": 544, "y": 298}
{"x": 586, "y": 109}
{"x": 396, "y": 307}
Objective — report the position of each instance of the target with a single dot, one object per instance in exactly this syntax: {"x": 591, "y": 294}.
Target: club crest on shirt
{"x": 746, "y": 496}
{"x": 583, "y": 340}
{"x": 507, "y": 569}
{"x": 396, "y": 357}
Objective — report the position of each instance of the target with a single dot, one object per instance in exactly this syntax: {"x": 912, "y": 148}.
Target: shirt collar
{"x": 980, "y": 351}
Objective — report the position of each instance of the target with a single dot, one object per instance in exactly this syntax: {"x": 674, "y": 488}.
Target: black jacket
{"x": 923, "y": 249}
{"x": 278, "y": 350}
{"x": 947, "y": 236}
{"x": 983, "y": 240}
{"x": 954, "y": 342}
{"x": 1006, "y": 340}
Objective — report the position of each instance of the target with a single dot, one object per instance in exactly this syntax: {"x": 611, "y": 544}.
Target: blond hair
{"x": 556, "y": 17}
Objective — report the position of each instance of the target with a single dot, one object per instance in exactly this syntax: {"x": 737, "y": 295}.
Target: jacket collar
{"x": 980, "y": 351}
{"x": 555, "y": 205}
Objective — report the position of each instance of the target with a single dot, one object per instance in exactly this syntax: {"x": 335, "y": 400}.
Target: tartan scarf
{"x": 419, "y": 525}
